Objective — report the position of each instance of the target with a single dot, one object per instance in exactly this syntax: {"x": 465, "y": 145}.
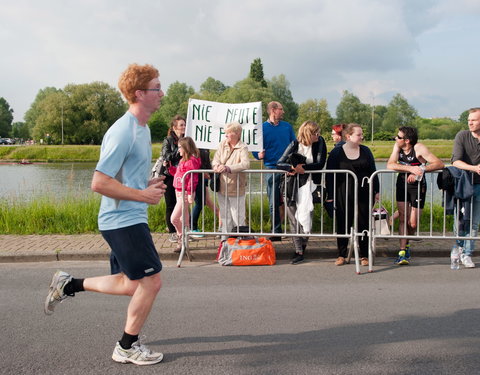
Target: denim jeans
{"x": 469, "y": 245}
{"x": 274, "y": 195}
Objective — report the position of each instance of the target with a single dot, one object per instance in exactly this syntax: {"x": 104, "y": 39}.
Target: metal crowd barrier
{"x": 434, "y": 196}
{"x": 255, "y": 190}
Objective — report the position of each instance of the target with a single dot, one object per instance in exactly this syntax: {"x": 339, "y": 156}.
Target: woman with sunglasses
{"x": 307, "y": 153}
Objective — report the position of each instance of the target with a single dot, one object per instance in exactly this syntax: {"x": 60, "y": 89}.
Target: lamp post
{"x": 373, "y": 113}
{"x": 62, "y": 123}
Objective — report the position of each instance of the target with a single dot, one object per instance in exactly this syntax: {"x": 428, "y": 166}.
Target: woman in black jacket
{"x": 168, "y": 160}
{"x": 307, "y": 153}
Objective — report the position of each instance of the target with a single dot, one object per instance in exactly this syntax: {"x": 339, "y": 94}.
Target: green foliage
{"x": 256, "y": 72}
{"x": 73, "y": 214}
{"x": 247, "y": 91}
{"x": 399, "y": 113}
{"x": 352, "y": 110}
{"x": 282, "y": 94}
{"x": 6, "y": 118}
{"x": 51, "y": 153}
{"x": 315, "y": 110}
{"x": 175, "y": 102}
{"x": 438, "y": 128}
{"x": 82, "y": 113}
{"x": 382, "y": 136}
{"x": 20, "y": 130}
{"x": 464, "y": 118}
{"x": 211, "y": 89}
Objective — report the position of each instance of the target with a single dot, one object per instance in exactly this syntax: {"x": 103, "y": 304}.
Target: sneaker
{"x": 56, "y": 293}
{"x": 199, "y": 235}
{"x": 401, "y": 260}
{"x": 364, "y": 261}
{"x": 340, "y": 261}
{"x": 298, "y": 258}
{"x": 407, "y": 252}
{"x": 138, "y": 354}
{"x": 467, "y": 261}
{"x": 173, "y": 237}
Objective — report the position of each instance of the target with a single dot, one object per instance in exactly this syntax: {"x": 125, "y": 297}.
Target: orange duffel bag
{"x": 247, "y": 252}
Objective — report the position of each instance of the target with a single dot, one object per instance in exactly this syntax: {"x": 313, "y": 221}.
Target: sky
{"x": 426, "y": 50}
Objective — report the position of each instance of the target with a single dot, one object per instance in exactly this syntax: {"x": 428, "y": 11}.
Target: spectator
{"x": 190, "y": 160}
{"x": 277, "y": 135}
{"x": 355, "y": 157}
{"x": 466, "y": 156}
{"x": 337, "y": 134}
{"x": 299, "y": 184}
{"x": 230, "y": 159}
{"x": 170, "y": 157}
{"x": 411, "y": 157}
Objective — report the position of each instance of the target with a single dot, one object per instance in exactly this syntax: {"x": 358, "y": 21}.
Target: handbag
{"x": 215, "y": 181}
{"x": 380, "y": 218}
{"x": 247, "y": 252}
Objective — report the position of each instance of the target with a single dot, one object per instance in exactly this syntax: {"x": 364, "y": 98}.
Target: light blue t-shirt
{"x": 126, "y": 155}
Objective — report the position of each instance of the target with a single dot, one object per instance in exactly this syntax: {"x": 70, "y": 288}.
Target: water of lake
{"x": 25, "y": 181}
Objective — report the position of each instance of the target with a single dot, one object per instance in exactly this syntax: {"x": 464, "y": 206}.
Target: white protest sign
{"x": 206, "y": 123}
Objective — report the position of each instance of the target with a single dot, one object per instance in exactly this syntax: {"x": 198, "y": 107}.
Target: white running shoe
{"x": 467, "y": 261}
{"x": 56, "y": 293}
{"x": 138, "y": 354}
{"x": 173, "y": 237}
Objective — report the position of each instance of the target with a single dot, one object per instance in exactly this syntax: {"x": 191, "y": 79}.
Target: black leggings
{"x": 170, "y": 202}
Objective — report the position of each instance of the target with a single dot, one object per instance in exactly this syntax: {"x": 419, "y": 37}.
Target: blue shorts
{"x": 133, "y": 251}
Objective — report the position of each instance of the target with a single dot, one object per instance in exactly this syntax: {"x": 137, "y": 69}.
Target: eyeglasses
{"x": 157, "y": 90}
{"x": 398, "y": 137}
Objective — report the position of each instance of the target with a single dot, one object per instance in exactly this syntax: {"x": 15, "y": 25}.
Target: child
{"x": 190, "y": 160}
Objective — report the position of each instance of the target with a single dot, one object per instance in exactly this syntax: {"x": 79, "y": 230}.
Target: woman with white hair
{"x": 230, "y": 159}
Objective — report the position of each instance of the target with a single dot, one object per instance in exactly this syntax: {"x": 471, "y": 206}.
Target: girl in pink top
{"x": 190, "y": 160}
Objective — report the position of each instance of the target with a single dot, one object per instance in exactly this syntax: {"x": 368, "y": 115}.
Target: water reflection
{"x": 61, "y": 179}
{"x": 30, "y": 180}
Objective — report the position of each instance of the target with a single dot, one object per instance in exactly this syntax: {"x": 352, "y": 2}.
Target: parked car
{"x": 7, "y": 141}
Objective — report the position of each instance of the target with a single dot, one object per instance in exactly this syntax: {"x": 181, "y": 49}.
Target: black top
{"x": 319, "y": 153}
{"x": 363, "y": 166}
{"x": 409, "y": 159}
{"x": 170, "y": 152}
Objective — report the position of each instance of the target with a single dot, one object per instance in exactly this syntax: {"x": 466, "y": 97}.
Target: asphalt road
{"x": 312, "y": 318}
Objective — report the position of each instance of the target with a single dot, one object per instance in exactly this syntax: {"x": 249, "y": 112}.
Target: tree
{"x": 437, "y": 128}
{"x": 247, "y": 91}
{"x": 464, "y": 118}
{"x": 174, "y": 103}
{"x": 6, "y": 118}
{"x": 352, "y": 110}
{"x": 20, "y": 130}
{"x": 211, "y": 89}
{"x": 399, "y": 113}
{"x": 34, "y": 111}
{"x": 256, "y": 72}
{"x": 281, "y": 93}
{"x": 81, "y": 113}
{"x": 315, "y": 110}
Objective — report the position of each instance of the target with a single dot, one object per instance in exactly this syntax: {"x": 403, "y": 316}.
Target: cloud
{"x": 322, "y": 46}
